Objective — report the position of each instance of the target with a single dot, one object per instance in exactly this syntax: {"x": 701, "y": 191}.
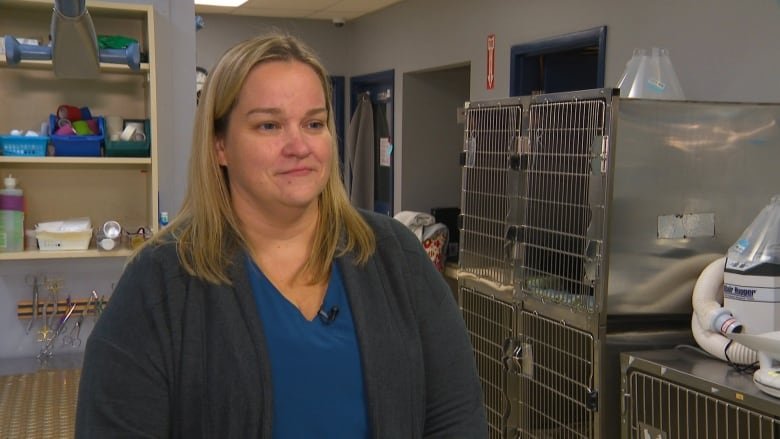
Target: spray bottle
{"x": 11, "y": 216}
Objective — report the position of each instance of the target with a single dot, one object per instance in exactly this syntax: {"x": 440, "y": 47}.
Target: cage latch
{"x": 512, "y": 238}
{"x": 518, "y": 357}
{"x": 518, "y": 161}
{"x": 514, "y": 161}
{"x": 592, "y": 400}
{"x": 592, "y": 261}
{"x": 468, "y": 157}
{"x": 599, "y": 153}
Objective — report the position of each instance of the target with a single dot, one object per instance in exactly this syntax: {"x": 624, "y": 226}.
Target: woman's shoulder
{"x": 386, "y": 227}
{"x": 389, "y": 231}
{"x": 162, "y": 255}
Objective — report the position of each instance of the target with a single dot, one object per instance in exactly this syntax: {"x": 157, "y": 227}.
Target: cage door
{"x": 563, "y": 198}
{"x": 492, "y": 132}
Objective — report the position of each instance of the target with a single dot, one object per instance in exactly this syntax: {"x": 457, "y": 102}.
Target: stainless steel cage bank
{"x": 685, "y": 394}
{"x": 585, "y": 221}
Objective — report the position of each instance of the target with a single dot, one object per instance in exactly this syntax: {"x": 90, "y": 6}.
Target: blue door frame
{"x": 337, "y": 85}
{"x": 559, "y": 63}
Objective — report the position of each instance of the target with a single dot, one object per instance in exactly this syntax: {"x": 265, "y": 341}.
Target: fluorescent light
{"x": 223, "y": 3}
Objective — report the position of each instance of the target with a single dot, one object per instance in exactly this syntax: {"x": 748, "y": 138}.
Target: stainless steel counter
{"x": 683, "y": 393}
{"x": 16, "y": 366}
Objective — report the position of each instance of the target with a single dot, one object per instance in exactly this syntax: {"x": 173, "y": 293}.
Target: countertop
{"x": 17, "y": 366}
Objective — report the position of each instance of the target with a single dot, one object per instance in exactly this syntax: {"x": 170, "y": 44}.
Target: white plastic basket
{"x": 48, "y": 241}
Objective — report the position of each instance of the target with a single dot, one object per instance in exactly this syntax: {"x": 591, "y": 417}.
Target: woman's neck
{"x": 280, "y": 246}
{"x": 281, "y": 250}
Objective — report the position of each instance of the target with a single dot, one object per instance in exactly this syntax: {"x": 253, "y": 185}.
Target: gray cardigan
{"x": 175, "y": 356}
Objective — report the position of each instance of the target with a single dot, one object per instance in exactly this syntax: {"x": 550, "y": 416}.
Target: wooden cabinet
{"x": 101, "y": 188}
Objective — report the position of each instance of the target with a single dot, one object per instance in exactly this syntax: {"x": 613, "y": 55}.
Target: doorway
{"x": 379, "y": 88}
{"x": 430, "y": 168}
{"x": 337, "y": 88}
{"x": 433, "y": 137}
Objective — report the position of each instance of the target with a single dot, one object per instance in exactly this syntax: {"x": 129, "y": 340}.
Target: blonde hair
{"x": 206, "y": 227}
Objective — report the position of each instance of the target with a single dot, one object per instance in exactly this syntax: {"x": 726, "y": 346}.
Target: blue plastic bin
{"x": 30, "y": 146}
{"x": 77, "y": 146}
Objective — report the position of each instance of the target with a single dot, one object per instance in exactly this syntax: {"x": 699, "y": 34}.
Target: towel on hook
{"x": 415, "y": 221}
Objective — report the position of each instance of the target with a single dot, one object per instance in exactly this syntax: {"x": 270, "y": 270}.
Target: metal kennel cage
{"x": 590, "y": 217}
{"x": 676, "y": 394}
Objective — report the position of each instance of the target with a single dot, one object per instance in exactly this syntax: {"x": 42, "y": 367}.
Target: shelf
{"x": 97, "y": 161}
{"x": 96, "y": 8}
{"x": 69, "y": 254}
{"x": 123, "y": 189}
{"x": 47, "y": 65}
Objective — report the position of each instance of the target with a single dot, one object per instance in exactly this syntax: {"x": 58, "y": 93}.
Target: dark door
{"x": 337, "y": 85}
{"x": 565, "y": 63}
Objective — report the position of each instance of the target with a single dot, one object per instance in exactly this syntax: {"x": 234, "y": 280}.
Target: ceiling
{"x": 313, "y": 9}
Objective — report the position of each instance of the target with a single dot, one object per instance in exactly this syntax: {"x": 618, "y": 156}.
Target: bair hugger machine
{"x": 751, "y": 291}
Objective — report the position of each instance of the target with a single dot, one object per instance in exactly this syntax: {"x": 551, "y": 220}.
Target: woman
{"x": 270, "y": 307}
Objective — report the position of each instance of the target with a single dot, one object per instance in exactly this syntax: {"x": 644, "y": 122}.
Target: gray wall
{"x": 222, "y": 31}
{"x": 434, "y": 138}
{"x": 721, "y": 49}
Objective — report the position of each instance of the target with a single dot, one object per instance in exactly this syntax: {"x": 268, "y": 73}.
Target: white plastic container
{"x": 11, "y": 216}
{"x": 73, "y": 234}
{"x": 48, "y": 241}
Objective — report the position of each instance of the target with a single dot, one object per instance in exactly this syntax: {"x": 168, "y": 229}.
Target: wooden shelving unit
{"x": 100, "y": 188}
{"x": 28, "y": 255}
{"x": 47, "y": 65}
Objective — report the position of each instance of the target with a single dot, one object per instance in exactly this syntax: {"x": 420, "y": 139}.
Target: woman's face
{"x": 277, "y": 147}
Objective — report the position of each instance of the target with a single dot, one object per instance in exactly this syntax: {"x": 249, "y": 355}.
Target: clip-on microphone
{"x": 330, "y": 316}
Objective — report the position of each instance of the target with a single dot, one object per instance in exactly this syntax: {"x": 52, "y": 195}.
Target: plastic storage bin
{"x": 78, "y": 146}
{"x": 120, "y": 148}
{"x": 30, "y": 146}
{"x": 64, "y": 240}
{"x": 71, "y": 234}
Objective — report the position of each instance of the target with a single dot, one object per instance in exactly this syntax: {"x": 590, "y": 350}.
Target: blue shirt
{"x": 316, "y": 372}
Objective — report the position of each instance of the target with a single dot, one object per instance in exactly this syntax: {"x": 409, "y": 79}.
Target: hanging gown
{"x": 359, "y": 152}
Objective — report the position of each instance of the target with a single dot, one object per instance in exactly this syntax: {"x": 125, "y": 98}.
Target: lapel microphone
{"x": 329, "y": 316}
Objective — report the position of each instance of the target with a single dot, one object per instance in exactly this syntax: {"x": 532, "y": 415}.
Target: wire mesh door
{"x": 491, "y": 135}
{"x": 557, "y": 391}
{"x": 658, "y": 407}
{"x": 562, "y": 202}
{"x": 491, "y": 324}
